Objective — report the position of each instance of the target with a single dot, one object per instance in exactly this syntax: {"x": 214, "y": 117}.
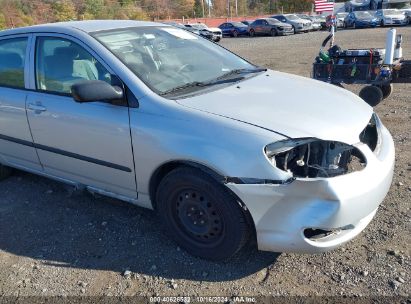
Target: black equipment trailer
{"x": 364, "y": 67}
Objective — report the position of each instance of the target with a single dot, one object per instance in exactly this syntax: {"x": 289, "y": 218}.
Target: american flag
{"x": 323, "y": 6}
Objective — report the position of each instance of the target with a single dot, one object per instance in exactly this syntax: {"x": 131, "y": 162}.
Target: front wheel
{"x": 273, "y": 33}
{"x": 252, "y": 33}
{"x": 235, "y": 34}
{"x": 201, "y": 214}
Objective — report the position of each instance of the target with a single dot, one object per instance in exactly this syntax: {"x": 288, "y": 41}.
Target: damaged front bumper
{"x": 318, "y": 214}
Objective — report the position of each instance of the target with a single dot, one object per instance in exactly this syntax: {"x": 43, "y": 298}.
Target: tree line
{"x": 15, "y": 13}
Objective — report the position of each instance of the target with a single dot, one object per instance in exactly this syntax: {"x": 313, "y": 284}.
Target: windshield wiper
{"x": 182, "y": 87}
{"x": 241, "y": 71}
{"x": 196, "y": 84}
{"x": 219, "y": 80}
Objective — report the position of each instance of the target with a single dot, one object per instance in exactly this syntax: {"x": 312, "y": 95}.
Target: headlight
{"x": 312, "y": 157}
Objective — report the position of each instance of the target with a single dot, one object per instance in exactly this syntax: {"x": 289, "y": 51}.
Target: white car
{"x": 223, "y": 151}
{"x": 391, "y": 17}
{"x": 218, "y": 34}
{"x": 340, "y": 19}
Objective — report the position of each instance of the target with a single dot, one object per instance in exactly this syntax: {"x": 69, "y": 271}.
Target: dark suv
{"x": 269, "y": 26}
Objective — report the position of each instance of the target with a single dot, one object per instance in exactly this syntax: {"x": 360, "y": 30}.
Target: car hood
{"x": 397, "y": 16}
{"x": 367, "y": 19}
{"x": 286, "y": 25}
{"x": 291, "y": 105}
{"x": 214, "y": 29}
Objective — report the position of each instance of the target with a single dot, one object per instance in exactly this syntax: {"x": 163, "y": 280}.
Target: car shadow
{"x": 46, "y": 221}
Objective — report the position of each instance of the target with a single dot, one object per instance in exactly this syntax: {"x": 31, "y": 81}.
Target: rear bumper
{"x": 344, "y": 204}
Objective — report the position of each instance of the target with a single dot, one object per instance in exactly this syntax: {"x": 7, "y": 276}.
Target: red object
{"x": 323, "y": 6}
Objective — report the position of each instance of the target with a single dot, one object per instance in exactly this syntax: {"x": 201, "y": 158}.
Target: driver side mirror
{"x": 96, "y": 90}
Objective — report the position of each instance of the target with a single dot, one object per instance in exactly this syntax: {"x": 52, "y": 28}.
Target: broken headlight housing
{"x": 371, "y": 135}
{"x": 312, "y": 157}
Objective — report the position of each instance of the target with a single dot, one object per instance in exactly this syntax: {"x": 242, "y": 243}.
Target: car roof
{"x": 87, "y": 26}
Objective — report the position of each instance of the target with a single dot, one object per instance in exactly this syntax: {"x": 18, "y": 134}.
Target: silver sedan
{"x": 223, "y": 150}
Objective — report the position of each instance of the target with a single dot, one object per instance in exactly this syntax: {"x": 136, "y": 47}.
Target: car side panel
{"x": 16, "y": 144}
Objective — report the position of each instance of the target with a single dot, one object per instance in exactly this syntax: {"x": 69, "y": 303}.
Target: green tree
{"x": 64, "y": 10}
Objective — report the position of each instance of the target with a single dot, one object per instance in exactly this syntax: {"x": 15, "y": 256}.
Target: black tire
{"x": 354, "y": 26}
{"x": 372, "y": 95}
{"x": 293, "y": 29}
{"x": 201, "y": 214}
{"x": 235, "y": 34}
{"x": 273, "y": 32}
{"x": 5, "y": 172}
{"x": 386, "y": 90}
{"x": 252, "y": 33}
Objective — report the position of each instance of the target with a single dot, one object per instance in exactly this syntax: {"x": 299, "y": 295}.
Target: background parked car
{"x": 234, "y": 29}
{"x": 203, "y": 33}
{"x": 299, "y": 25}
{"x": 315, "y": 21}
{"x": 391, "y": 17}
{"x": 269, "y": 26}
{"x": 340, "y": 19}
{"x": 360, "y": 19}
{"x": 217, "y": 33}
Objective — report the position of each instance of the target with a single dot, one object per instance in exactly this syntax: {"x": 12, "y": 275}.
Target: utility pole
{"x": 236, "y": 8}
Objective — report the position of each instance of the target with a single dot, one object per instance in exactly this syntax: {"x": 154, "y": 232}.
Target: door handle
{"x": 37, "y": 108}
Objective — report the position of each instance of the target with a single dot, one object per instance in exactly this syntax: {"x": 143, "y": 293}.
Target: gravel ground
{"x": 56, "y": 242}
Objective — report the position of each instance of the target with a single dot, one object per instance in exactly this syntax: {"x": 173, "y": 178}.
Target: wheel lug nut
{"x": 189, "y": 214}
{"x": 202, "y": 222}
{"x": 195, "y": 223}
{"x": 201, "y": 213}
{"x": 192, "y": 208}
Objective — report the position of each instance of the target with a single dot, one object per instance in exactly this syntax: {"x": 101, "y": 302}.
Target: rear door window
{"x": 12, "y": 60}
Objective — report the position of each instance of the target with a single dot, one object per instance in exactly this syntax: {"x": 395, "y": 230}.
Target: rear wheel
{"x": 235, "y": 34}
{"x": 5, "y": 172}
{"x": 252, "y": 33}
{"x": 386, "y": 90}
{"x": 201, "y": 214}
{"x": 372, "y": 95}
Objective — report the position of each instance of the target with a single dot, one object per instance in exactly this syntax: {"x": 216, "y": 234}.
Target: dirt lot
{"x": 56, "y": 242}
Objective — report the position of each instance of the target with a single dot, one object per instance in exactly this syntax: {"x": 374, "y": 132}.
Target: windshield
{"x": 391, "y": 12}
{"x": 238, "y": 24}
{"x": 400, "y": 5}
{"x": 362, "y": 15}
{"x": 166, "y": 58}
{"x": 199, "y": 26}
{"x": 342, "y": 15}
{"x": 292, "y": 17}
{"x": 273, "y": 21}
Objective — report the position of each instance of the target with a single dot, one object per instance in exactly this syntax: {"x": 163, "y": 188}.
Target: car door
{"x": 16, "y": 143}
{"x": 265, "y": 27}
{"x": 224, "y": 28}
{"x": 89, "y": 143}
{"x": 258, "y": 26}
